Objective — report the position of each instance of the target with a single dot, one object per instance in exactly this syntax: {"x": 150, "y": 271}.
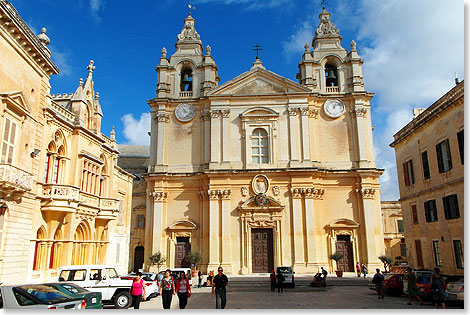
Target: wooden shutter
{"x": 415, "y": 214}
{"x": 412, "y": 173}
{"x": 419, "y": 253}
{"x": 448, "y": 155}
{"x": 439, "y": 158}
{"x": 461, "y": 145}
{"x": 405, "y": 173}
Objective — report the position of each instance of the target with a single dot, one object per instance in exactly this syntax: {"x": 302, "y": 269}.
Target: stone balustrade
{"x": 14, "y": 182}
{"x": 186, "y": 94}
{"x": 60, "y": 192}
{"x": 109, "y": 204}
{"x": 332, "y": 89}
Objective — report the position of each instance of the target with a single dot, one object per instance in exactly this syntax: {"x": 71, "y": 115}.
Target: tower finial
{"x": 190, "y": 7}
{"x": 80, "y": 82}
{"x": 91, "y": 67}
{"x": 43, "y": 38}
{"x": 112, "y": 134}
{"x": 257, "y": 48}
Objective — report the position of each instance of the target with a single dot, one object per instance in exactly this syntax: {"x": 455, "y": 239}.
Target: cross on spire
{"x": 257, "y": 48}
{"x": 190, "y": 7}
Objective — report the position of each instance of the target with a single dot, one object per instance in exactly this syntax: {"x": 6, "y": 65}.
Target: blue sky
{"x": 411, "y": 51}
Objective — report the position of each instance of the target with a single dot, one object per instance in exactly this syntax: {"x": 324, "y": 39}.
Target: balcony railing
{"x": 186, "y": 94}
{"x": 109, "y": 204}
{"x": 14, "y": 182}
{"x": 60, "y": 192}
{"x": 332, "y": 89}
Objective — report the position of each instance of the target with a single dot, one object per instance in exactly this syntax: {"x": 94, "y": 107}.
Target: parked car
{"x": 288, "y": 274}
{"x": 175, "y": 273}
{"x": 424, "y": 285}
{"x": 100, "y": 278}
{"x": 455, "y": 291}
{"x": 90, "y": 299}
{"x": 150, "y": 285}
{"x": 417, "y": 273}
{"x": 393, "y": 284}
{"x": 32, "y": 296}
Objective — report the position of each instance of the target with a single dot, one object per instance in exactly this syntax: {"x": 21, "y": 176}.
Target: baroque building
{"x": 262, "y": 171}
{"x": 63, "y": 199}
{"x": 394, "y": 237}
{"x": 429, "y": 153}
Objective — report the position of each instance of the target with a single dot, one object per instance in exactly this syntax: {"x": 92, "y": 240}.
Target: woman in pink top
{"x": 137, "y": 290}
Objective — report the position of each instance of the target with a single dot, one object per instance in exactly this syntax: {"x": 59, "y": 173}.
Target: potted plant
{"x": 337, "y": 256}
{"x": 387, "y": 261}
{"x": 157, "y": 259}
{"x": 194, "y": 258}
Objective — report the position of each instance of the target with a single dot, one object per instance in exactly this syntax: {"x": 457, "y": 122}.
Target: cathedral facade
{"x": 262, "y": 171}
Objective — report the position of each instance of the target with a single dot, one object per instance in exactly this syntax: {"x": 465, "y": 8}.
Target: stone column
{"x": 159, "y": 197}
{"x": 214, "y": 136}
{"x": 206, "y": 118}
{"x": 162, "y": 118}
{"x": 297, "y": 229}
{"x": 225, "y": 136}
{"x": 293, "y": 135}
{"x": 305, "y": 135}
{"x": 367, "y": 195}
{"x": 244, "y": 240}
{"x": 359, "y": 113}
{"x": 310, "y": 221}
{"x": 214, "y": 257}
{"x": 226, "y": 231}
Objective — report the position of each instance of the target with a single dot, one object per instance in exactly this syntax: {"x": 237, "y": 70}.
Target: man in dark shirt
{"x": 219, "y": 283}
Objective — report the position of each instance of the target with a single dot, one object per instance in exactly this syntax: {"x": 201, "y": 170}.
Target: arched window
{"x": 259, "y": 146}
{"x": 55, "y": 159}
{"x": 331, "y": 75}
{"x": 40, "y": 250}
{"x": 186, "y": 80}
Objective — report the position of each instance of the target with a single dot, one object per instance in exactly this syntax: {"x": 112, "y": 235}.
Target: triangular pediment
{"x": 17, "y": 100}
{"x": 259, "y": 81}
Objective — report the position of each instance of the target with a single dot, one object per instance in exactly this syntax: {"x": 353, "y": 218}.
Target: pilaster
{"x": 225, "y": 135}
{"x": 305, "y": 135}
{"x": 293, "y": 135}
{"x": 214, "y": 136}
{"x": 297, "y": 228}
{"x": 226, "y": 231}
{"x": 214, "y": 257}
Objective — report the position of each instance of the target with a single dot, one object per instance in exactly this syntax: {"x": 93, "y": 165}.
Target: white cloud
{"x": 136, "y": 131}
{"x": 250, "y": 4}
{"x": 61, "y": 59}
{"x": 303, "y": 33}
{"x": 96, "y": 6}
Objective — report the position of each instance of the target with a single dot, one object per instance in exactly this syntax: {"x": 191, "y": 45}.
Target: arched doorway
{"x": 138, "y": 258}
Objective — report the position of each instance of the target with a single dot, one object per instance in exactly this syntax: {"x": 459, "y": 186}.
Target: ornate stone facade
{"x": 62, "y": 199}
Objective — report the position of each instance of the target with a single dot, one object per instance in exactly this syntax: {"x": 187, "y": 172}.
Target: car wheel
{"x": 122, "y": 300}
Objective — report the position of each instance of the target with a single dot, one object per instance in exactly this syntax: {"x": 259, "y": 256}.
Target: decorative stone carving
{"x": 244, "y": 191}
{"x": 353, "y": 45}
{"x": 43, "y": 38}
{"x": 260, "y": 184}
{"x": 162, "y": 117}
{"x": 163, "y": 52}
{"x": 159, "y": 196}
{"x": 366, "y": 193}
{"x": 304, "y": 111}
{"x": 226, "y": 194}
{"x": 307, "y": 48}
{"x": 315, "y": 193}
{"x": 261, "y": 224}
{"x": 313, "y": 113}
{"x": 208, "y": 50}
{"x": 276, "y": 190}
{"x": 293, "y": 111}
{"x": 214, "y": 113}
{"x": 360, "y": 112}
{"x": 14, "y": 182}
{"x": 214, "y": 194}
{"x": 226, "y": 113}
{"x": 188, "y": 32}
{"x": 326, "y": 28}
{"x": 83, "y": 214}
{"x": 296, "y": 192}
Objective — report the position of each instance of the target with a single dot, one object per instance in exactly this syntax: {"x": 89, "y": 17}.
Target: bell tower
{"x": 188, "y": 73}
{"x": 329, "y": 68}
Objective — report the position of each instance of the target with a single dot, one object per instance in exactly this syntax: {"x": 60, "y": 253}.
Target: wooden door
{"x": 419, "y": 253}
{"x": 181, "y": 250}
{"x": 138, "y": 258}
{"x": 347, "y": 262}
{"x": 262, "y": 250}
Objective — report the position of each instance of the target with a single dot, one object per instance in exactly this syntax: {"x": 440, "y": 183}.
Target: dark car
{"x": 90, "y": 299}
{"x": 424, "y": 285}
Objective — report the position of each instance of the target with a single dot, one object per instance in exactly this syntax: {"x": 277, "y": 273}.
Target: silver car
{"x": 32, "y": 296}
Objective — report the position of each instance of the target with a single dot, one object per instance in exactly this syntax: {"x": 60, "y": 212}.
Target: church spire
{"x": 327, "y": 34}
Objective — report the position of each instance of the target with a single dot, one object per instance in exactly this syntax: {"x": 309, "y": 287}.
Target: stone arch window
{"x": 103, "y": 177}
{"x": 81, "y": 244}
{"x": 90, "y": 177}
{"x": 40, "y": 251}
{"x": 186, "y": 80}
{"x": 55, "y": 159}
{"x": 259, "y": 146}
{"x": 331, "y": 75}
{"x": 56, "y": 250}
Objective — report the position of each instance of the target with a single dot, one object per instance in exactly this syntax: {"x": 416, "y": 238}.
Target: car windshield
{"x": 112, "y": 273}
{"x": 45, "y": 294}
{"x": 284, "y": 269}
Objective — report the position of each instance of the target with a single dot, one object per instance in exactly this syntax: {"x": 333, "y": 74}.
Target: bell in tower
{"x": 331, "y": 78}
{"x": 186, "y": 81}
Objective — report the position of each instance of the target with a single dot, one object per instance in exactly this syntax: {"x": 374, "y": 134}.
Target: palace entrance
{"x": 344, "y": 246}
{"x": 262, "y": 250}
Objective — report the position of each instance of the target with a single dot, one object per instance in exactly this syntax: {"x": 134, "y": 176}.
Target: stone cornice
{"x": 431, "y": 112}
{"x": 11, "y": 21}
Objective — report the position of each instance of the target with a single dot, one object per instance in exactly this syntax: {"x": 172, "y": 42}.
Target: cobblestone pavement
{"x": 258, "y": 296}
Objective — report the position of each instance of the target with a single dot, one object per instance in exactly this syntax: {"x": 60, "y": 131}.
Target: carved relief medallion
{"x": 334, "y": 108}
{"x": 184, "y": 112}
{"x": 260, "y": 184}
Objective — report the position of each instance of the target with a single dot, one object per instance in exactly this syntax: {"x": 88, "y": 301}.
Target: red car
{"x": 393, "y": 284}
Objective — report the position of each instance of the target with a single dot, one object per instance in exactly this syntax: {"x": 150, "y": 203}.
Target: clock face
{"x": 334, "y": 108}
{"x": 184, "y": 112}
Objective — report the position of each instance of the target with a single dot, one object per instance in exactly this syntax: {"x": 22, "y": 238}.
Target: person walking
{"x": 219, "y": 282}
{"x": 324, "y": 273}
{"x": 412, "y": 288}
{"x": 358, "y": 269}
{"x": 137, "y": 290}
{"x": 167, "y": 289}
{"x": 199, "y": 277}
{"x": 280, "y": 282}
{"x": 364, "y": 270}
{"x": 183, "y": 289}
{"x": 378, "y": 280}
{"x": 272, "y": 278}
{"x": 439, "y": 296}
